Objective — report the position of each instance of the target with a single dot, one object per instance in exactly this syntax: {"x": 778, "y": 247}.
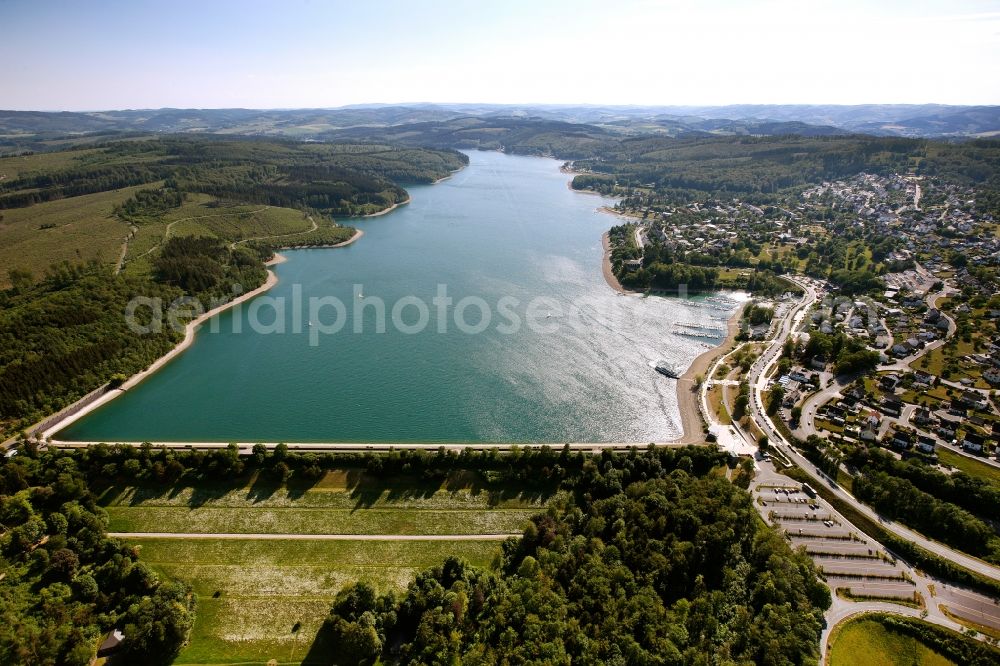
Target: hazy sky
{"x": 94, "y": 54}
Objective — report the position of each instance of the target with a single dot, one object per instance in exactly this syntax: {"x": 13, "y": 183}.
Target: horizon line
{"x": 529, "y": 105}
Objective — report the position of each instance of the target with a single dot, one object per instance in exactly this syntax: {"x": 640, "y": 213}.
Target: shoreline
{"x": 692, "y": 421}
{"x": 388, "y": 210}
{"x": 609, "y": 274}
{"x": 189, "y": 335}
{"x": 612, "y": 211}
{"x": 450, "y": 174}
{"x": 358, "y": 233}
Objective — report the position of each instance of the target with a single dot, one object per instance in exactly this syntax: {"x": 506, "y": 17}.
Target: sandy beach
{"x": 389, "y": 209}
{"x": 357, "y": 234}
{"x": 687, "y": 395}
{"x": 609, "y": 274}
{"x": 452, "y": 173}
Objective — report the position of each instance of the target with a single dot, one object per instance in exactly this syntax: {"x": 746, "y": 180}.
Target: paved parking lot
{"x": 871, "y": 567}
{"x": 808, "y": 522}
{"x": 819, "y": 546}
{"x": 869, "y": 574}
{"x": 969, "y": 605}
{"x": 900, "y": 590}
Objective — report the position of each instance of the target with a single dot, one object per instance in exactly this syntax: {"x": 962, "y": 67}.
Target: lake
{"x": 533, "y": 346}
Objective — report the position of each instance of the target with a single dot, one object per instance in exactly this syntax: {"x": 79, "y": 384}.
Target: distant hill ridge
{"x": 28, "y": 129}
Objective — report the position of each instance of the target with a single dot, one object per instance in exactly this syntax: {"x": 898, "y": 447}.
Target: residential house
{"x": 888, "y": 382}
{"x": 892, "y": 406}
{"x": 923, "y": 417}
{"x": 973, "y": 442}
{"x": 901, "y": 440}
{"x": 926, "y": 444}
{"x": 973, "y": 400}
{"x": 111, "y": 643}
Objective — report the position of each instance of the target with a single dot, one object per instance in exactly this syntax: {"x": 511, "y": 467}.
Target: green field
{"x": 974, "y": 468}
{"x": 85, "y": 227}
{"x": 12, "y": 167}
{"x": 351, "y": 490}
{"x": 861, "y": 642}
{"x": 203, "y": 215}
{"x": 75, "y": 230}
{"x": 318, "y": 520}
{"x": 252, "y": 594}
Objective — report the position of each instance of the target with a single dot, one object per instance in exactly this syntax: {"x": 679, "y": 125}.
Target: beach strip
{"x": 688, "y": 401}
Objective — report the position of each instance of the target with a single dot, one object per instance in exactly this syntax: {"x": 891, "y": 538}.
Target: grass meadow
{"x": 260, "y": 600}
{"x": 868, "y": 642}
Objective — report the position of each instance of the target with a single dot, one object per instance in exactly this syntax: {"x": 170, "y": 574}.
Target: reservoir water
{"x": 505, "y": 226}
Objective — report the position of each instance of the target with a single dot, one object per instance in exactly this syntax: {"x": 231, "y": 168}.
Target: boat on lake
{"x": 665, "y": 368}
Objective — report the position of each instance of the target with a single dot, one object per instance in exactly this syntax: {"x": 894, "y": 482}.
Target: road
{"x": 761, "y": 367}
{"x": 899, "y": 530}
{"x": 361, "y": 447}
{"x": 934, "y": 593}
{"x": 758, "y": 380}
{"x": 314, "y": 537}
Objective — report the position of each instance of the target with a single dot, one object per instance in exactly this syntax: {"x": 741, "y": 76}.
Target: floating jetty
{"x": 701, "y": 327}
{"x": 714, "y": 306}
{"x": 699, "y": 334}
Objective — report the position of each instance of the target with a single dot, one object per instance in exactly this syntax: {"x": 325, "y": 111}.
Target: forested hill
{"x": 34, "y": 129}
{"x": 656, "y": 562}
{"x": 339, "y": 179}
{"x": 66, "y": 583}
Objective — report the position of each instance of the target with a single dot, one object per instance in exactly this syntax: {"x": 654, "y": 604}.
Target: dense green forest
{"x": 900, "y": 499}
{"x": 977, "y": 496}
{"x": 761, "y": 169}
{"x": 65, "y": 583}
{"x": 336, "y": 179}
{"x": 209, "y": 268}
{"x": 654, "y": 563}
{"x": 68, "y": 335}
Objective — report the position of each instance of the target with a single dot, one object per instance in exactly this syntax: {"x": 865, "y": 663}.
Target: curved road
{"x": 758, "y": 380}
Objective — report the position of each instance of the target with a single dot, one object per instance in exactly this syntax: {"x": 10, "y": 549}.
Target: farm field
{"x": 266, "y": 599}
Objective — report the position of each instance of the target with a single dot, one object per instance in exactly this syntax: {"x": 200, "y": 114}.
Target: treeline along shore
{"x": 197, "y": 215}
